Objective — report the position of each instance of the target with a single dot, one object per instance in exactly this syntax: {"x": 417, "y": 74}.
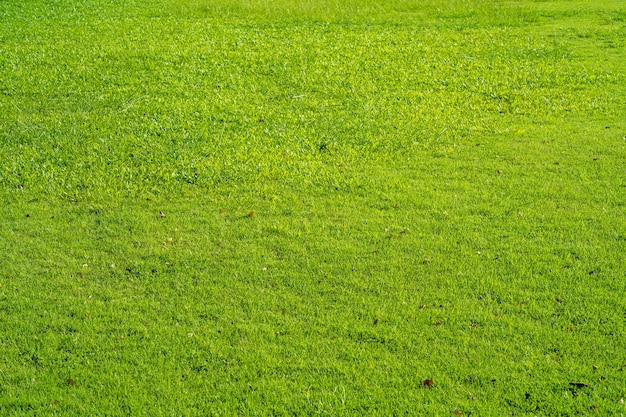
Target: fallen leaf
{"x": 250, "y": 214}
{"x": 429, "y": 382}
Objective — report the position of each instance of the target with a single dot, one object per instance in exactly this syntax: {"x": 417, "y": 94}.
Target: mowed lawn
{"x": 318, "y": 207}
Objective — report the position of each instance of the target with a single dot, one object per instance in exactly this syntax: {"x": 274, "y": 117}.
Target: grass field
{"x": 360, "y": 207}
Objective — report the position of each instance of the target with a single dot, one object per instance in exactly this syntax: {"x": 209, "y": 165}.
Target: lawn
{"x": 360, "y": 207}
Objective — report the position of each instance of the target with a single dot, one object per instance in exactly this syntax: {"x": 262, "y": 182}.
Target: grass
{"x": 255, "y": 208}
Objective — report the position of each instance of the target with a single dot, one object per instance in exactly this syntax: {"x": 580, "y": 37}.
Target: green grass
{"x": 299, "y": 208}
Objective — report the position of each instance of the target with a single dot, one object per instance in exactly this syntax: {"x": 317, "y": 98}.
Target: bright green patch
{"x": 296, "y": 208}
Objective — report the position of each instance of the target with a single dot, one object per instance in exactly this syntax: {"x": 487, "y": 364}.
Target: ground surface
{"x": 298, "y": 208}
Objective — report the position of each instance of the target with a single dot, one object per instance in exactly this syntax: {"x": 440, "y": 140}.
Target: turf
{"x": 298, "y": 208}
